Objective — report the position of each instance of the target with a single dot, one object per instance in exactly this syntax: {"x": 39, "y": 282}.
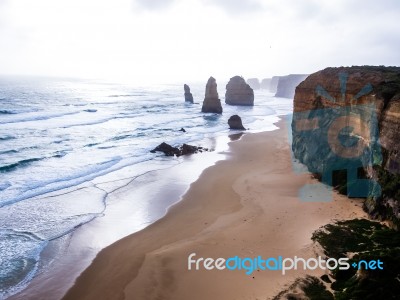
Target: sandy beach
{"x": 246, "y": 205}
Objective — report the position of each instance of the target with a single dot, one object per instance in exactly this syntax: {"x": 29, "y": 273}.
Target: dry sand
{"x": 247, "y": 205}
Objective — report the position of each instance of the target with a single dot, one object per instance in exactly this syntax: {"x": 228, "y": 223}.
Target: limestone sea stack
{"x": 211, "y": 104}
{"x": 235, "y": 122}
{"x": 238, "y": 92}
{"x": 188, "y": 94}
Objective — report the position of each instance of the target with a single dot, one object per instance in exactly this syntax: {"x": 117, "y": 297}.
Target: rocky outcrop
{"x": 346, "y": 127}
{"x": 238, "y": 92}
{"x": 185, "y": 149}
{"x": 235, "y": 122}
{"x": 167, "y": 149}
{"x": 273, "y": 86}
{"x": 211, "y": 103}
{"x": 265, "y": 83}
{"x": 287, "y": 85}
{"x": 188, "y": 94}
{"x": 254, "y": 83}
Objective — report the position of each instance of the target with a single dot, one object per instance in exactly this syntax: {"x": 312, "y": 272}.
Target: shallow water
{"x": 66, "y": 144}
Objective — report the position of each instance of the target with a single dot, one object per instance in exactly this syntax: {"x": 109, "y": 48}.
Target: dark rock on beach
{"x": 211, "y": 104}
{"x": 167, "y": 149}
{"x": 189, "y": 149}
{"x": 185, "y": 149}
{"x": 235, "y": 122}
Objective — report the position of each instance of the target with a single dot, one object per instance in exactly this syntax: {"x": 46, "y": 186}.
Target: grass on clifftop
{"x": 367, "y": 240}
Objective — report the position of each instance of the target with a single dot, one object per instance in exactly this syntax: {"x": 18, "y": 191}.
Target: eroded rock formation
{"x": 346, "y": 120}
{"x": 265, "y": 83}
{"x": 211, "y": 103}
{"x": 185, "y": 149}
{"x": 274, "y": 84}
{"x": 188, "y": 94}
{"x": 235, "y": 122}
{"x": 287, "y": 85}
{"x": 254, "y": 83}
{"x": 238, "y": 92}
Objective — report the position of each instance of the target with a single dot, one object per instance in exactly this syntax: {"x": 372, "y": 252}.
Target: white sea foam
{"x": 73, "y": 134}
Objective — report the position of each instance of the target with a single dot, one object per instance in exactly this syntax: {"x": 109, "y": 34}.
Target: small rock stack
{"x": 235, "y": 122}
{"x": 188, "y": 94}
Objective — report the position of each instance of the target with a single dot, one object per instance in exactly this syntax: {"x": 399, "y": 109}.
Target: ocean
{"x": 57, "y": 134}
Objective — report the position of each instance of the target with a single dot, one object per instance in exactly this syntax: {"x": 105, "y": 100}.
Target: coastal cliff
{"x": 287, "y": 85}
{"x": 265, "y": 83}
{"x": 346, "y": 129}
{"x": 254, "y": 83}
{"x": 273, "y": 84}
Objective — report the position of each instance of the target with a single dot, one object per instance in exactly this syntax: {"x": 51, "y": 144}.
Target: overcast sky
{"x": 147, "y": 41}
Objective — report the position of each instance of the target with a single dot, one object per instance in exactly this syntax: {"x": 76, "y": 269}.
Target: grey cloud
{"x": 237, "y": 7}
{"x": 2, "y": 5}
{"x": 152, "y": 4}
{"x": 372, "y": 6}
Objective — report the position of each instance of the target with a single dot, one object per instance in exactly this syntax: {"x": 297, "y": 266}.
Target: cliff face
{"x": 346, "y": 128}
{"x": 273, "y": 85}
{"x": 265, "y": 83}
{"x": 254, "y": 83}
{"x": 211, "y": 102}
{"x": 287, "y": 85}
{"x": 238, "y": 92}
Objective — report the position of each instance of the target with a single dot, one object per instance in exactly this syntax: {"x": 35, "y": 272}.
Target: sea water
{"x": 56, "y": 134}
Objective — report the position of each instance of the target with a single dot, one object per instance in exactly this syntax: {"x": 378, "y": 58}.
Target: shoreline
{"x": 245, "y": 205}
{"x": 75, "y": 251}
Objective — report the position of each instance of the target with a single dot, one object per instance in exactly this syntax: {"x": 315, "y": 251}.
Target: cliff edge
{"x": 346, "y": 128}
{"x": 287, "y": 85}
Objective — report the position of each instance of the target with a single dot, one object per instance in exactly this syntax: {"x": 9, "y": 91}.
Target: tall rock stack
{"x": 188, "y": 94}
{"x": 238, "y": 92}
{"x": 211, "y": 104}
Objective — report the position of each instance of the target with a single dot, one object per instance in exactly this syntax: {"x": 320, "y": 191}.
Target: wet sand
{"x": 246, "y": 205}
{"x": 134, "y": 198}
